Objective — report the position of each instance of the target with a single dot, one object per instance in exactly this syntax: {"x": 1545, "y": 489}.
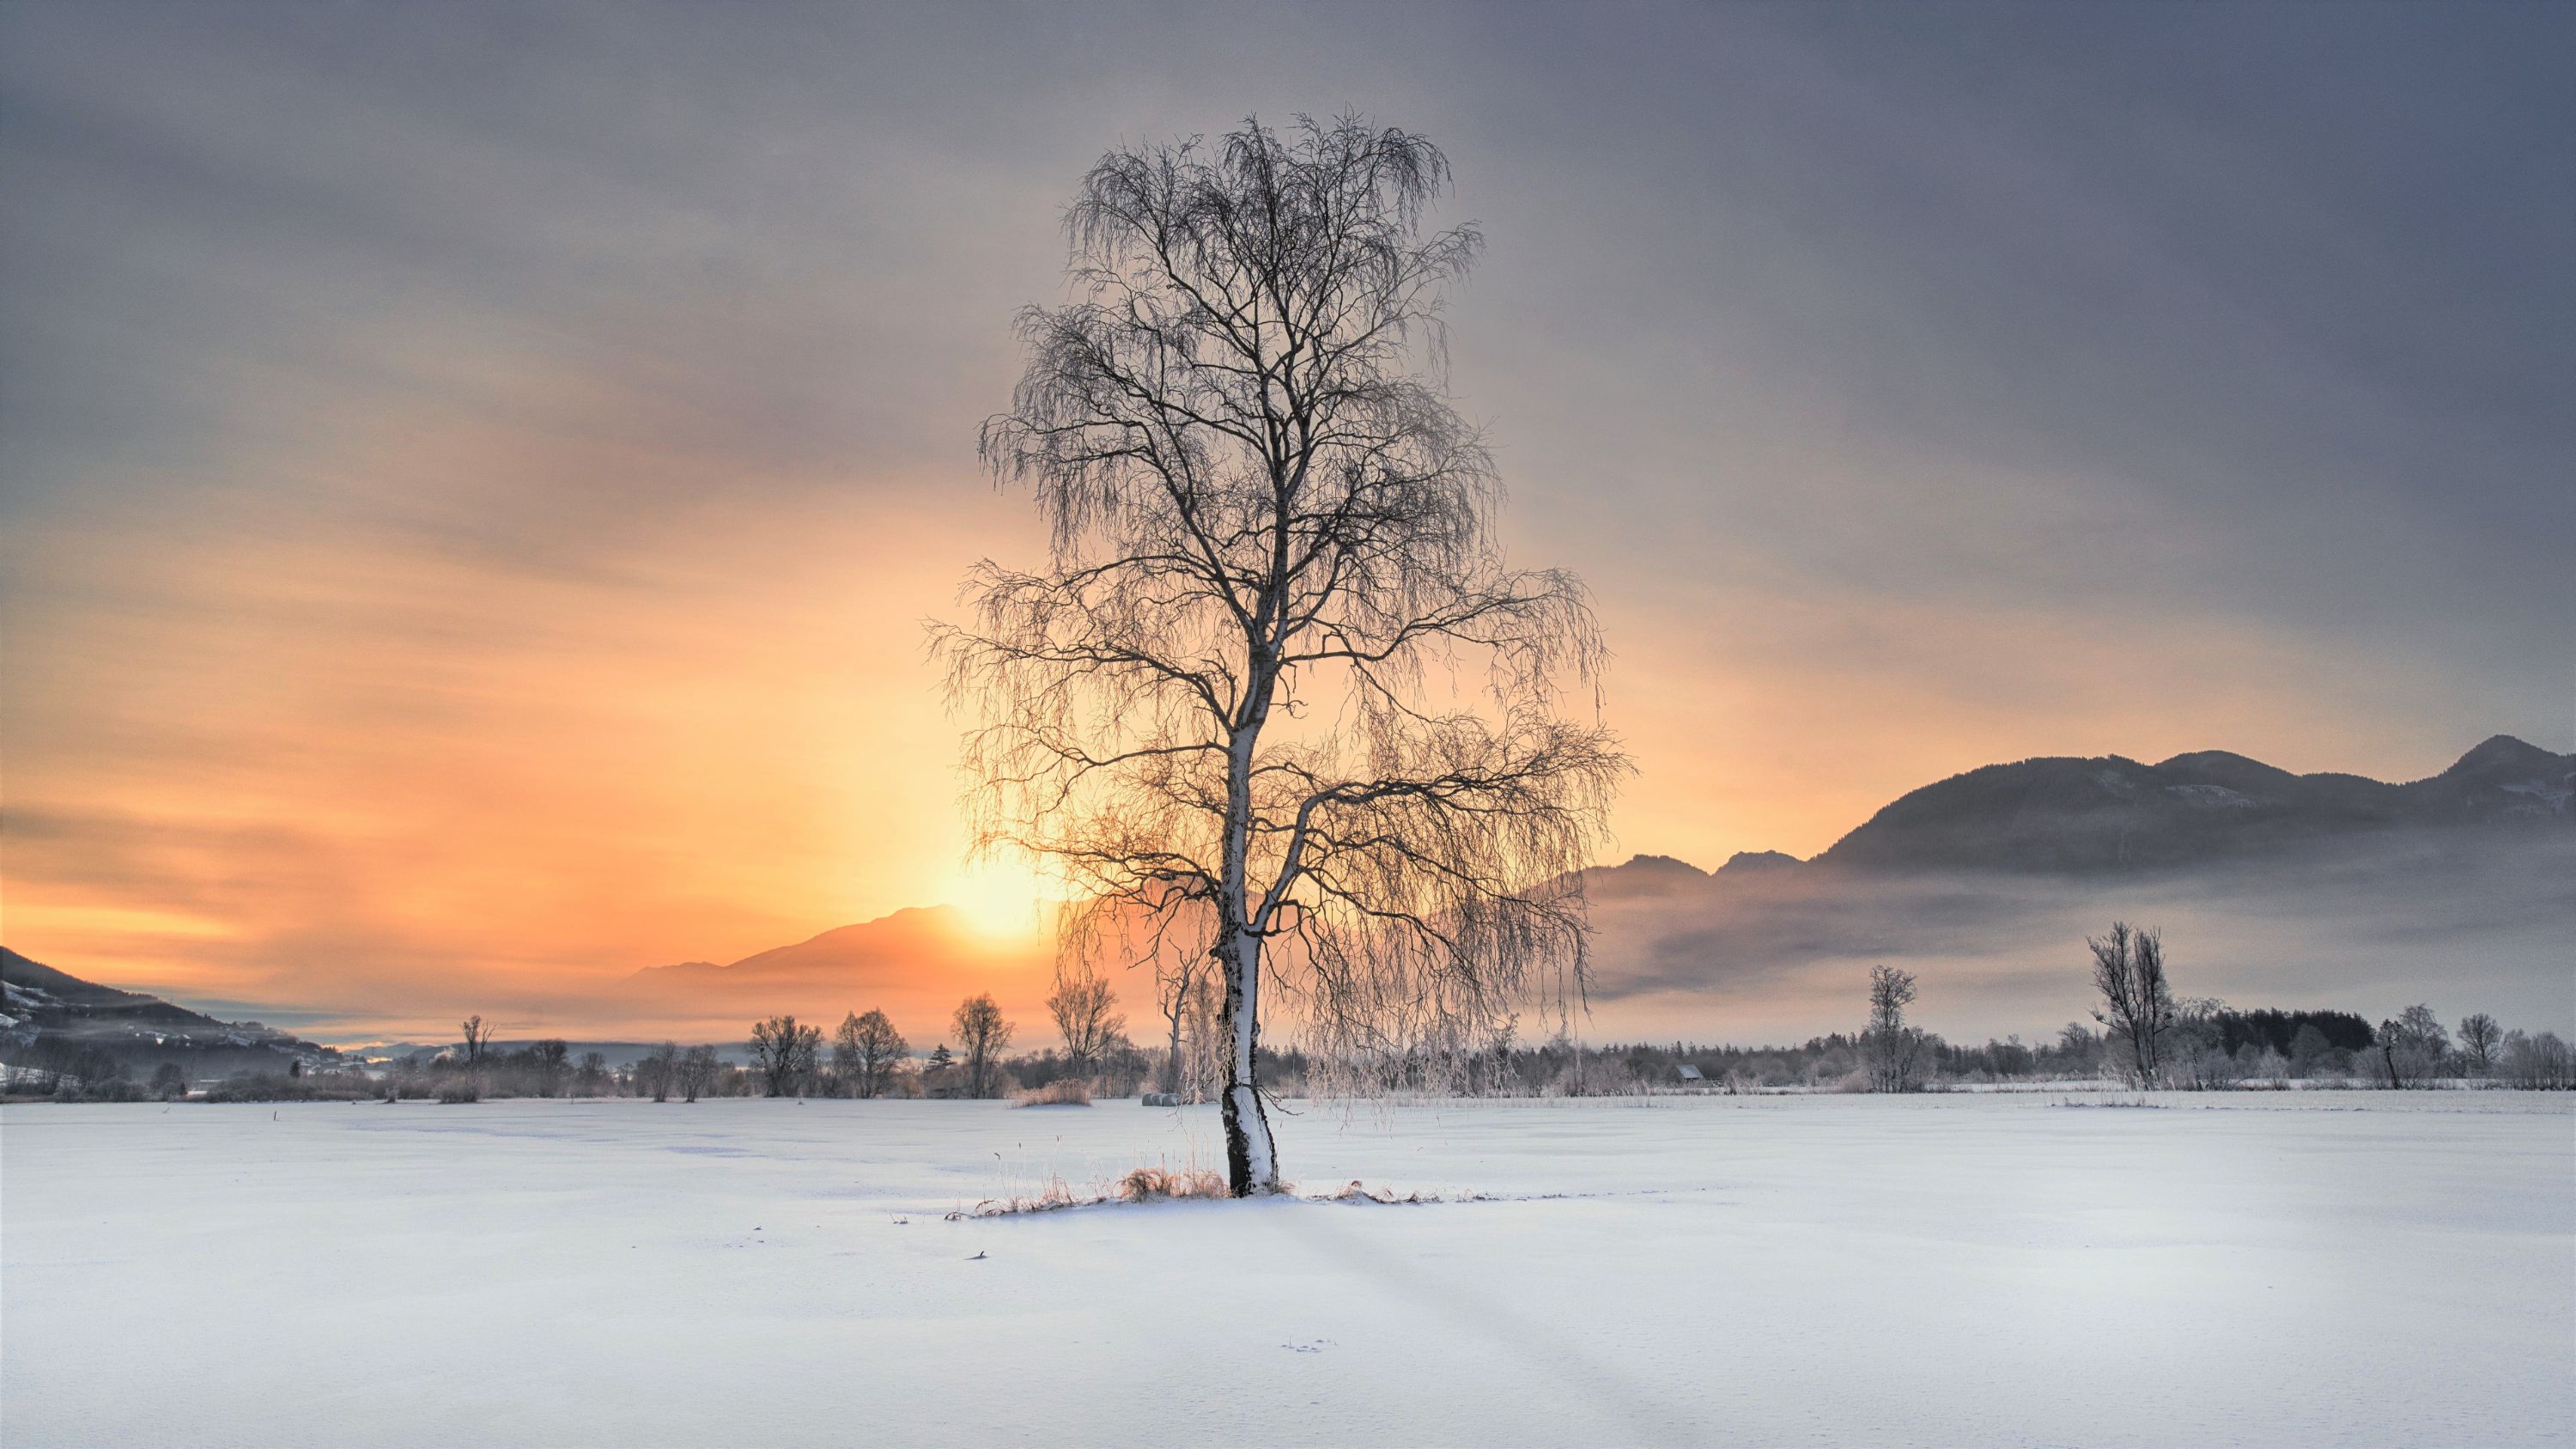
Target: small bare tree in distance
{"x": 983, "y": 1034}
{"x": 1172, "y": 999}
{"x": 1893, "y": 1048}
{"x": 659, "y": 1072}
{"x": 2411, "y": 1046}
{"x": 1277, "y": 683}
{"x": 2479, "y": 1036}
{"x": 866, "y": 1051}
{"x": 784, "y": 1053}
{"x": 697, "y": 1072}
{"x": 2137, "y": 999}
{"x": 1084, "y": 1010}
{"x": 477, "y": 1037}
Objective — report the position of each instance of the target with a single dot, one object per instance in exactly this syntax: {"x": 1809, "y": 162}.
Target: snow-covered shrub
{"x": 2538, "y": 1063}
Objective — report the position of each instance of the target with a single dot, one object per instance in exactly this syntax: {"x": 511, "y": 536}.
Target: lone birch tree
{"x": 1276, "y": 685}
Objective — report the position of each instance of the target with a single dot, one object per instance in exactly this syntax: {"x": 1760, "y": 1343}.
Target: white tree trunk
{"x": 1252, "y": 1161}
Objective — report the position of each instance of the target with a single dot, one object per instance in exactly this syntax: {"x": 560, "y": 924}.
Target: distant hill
{"x": 47, "y": 1006}
{"x": 1989, "y": 880}
{"x": 916, "y": 965}
{"x": 2111, "y": 814}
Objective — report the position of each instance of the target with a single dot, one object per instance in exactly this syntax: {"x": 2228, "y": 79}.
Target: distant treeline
{"x": 2154, "y": 1040}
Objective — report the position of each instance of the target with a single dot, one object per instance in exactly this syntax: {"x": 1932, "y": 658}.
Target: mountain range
{"x": 2108, "y": 813}
{"x": 1999, "y": 863}
{"x": 2327, "y": 888}
{"x": 2271, "y": 887}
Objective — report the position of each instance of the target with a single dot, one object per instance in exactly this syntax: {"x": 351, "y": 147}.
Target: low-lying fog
{"x": 1771, "y": 955}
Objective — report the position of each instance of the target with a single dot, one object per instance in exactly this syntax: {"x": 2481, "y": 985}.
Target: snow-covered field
{"x": 2328, "y": 1268}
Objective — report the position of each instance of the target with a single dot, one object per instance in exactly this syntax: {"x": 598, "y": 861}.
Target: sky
{"x": 475, "y": 476}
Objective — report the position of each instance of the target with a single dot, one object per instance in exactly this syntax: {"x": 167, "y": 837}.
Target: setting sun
{"x": 1000, "y": 900}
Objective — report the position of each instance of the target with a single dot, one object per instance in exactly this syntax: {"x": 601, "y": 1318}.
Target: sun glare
{"x": 1000, "y": 901}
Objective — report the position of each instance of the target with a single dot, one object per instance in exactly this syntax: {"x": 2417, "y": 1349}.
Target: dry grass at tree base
{"x": 1141, "y": 1185}
{"x": 1168, "y": 1184}
{"x": 1154, "y": 1184}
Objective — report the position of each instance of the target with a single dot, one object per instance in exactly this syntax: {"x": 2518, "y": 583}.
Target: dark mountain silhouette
{"x": 2110, "y": 814}
{"x": 47, "y": 1006}
{"x": 1644, "y": 875}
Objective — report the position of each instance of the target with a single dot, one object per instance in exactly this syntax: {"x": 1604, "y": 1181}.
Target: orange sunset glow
{"x": 467, "y": 553}
{"x": 1320, "y": 722}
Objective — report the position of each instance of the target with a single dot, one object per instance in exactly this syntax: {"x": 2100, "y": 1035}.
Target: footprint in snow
{"x": 1318, "y": 1346}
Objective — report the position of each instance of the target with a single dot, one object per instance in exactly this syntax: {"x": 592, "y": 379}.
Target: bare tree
{"x": 784, "y": 1054}
{"x": 1203, "y": 1058}
{"x": 549, "y": 1062}
{"x": 1083, "y": 1007}
{"x": 983, "y": 1033}
{"x": 2411, "y": 1046}
{"x": 477, "y": 1037}
{"x": 1276, "y": 685}
{"x": 1172, "y": 991}
{"x": 866, "y": 1051}
{"x": 1893, "y": 1049}
{"x": 697, "y": 1073}
{"x": 658, "y": 1072}
{"x": 2137, "y": 999}
{"x": 2539, "y": 1063}
{"x": 2479, "y": 1037}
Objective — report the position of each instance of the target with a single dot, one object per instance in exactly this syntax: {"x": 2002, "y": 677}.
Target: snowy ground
{"x": 2328, "y": 1268}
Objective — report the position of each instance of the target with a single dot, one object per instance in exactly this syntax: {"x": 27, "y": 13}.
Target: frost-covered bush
{"x": 2411, "y": 1047}
{"x": 2540, "y": 1063}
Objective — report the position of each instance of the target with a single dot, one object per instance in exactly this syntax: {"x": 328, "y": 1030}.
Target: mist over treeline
{"x": 2373, "y": 925}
